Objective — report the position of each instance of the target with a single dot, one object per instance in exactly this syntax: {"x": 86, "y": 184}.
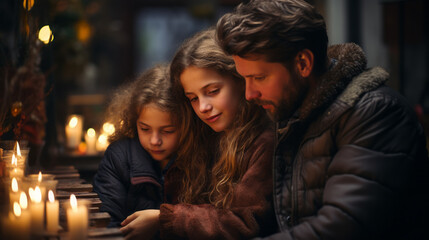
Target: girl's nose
{"x": 205, "y": 106}
{"x": 155, "y": 139}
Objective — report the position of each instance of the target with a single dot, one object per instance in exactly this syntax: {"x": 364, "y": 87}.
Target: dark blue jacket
{"x": 128, "y": 180}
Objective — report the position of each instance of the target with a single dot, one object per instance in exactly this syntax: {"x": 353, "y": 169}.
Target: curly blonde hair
{"x": 211, "y": 169}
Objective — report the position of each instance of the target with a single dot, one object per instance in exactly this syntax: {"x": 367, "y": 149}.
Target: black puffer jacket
{"x": 352, "y": 162}
{"x": 128, "y": 180}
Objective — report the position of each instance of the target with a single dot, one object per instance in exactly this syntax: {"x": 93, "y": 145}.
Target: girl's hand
{"x": 141, "y": 224}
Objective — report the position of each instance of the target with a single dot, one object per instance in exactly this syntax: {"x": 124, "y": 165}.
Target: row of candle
{"x": 25, "y": 219}
{"x": 73, "y": 130}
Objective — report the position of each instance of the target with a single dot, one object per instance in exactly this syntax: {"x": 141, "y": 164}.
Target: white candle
{"x": 37, "y": 210}
{"x": 13, "y": 192}
{"x": 25, "y": 215}
{"x": 77, "y": 219}
{"x": 15, "y": 172}
{"x": 74, "y": 131}
{"x": 16, "y": 225}
{"x": 90, "y": 139}
{"x": 102, "y": 142}
{"x": 52, "y": 213}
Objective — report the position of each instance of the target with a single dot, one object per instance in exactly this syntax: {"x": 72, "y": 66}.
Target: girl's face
{"x": 157, "y": 134}
{"x": 213, "y": 97}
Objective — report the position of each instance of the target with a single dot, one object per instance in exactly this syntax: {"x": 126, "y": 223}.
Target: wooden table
{"x": 69, "y": 182}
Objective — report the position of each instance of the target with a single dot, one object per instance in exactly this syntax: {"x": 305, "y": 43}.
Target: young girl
{"x": 220, "y": 187}
{"x": 147, "y": 123}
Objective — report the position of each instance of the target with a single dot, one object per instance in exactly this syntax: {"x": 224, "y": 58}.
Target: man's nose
{"x": 251, "y": 91}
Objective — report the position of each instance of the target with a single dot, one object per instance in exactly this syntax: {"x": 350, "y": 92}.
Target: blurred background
{"x": 64, "y": 57}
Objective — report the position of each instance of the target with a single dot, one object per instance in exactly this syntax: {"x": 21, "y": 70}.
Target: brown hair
{"x": 151, "y": 87}
{"x": 210, "y": 177}
{"x": 275, "y": 29}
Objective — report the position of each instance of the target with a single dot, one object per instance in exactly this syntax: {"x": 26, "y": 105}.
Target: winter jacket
{"x": 128, "y": 180}
{"x": 250, "y": 213}
{"x": 352, "y": 162}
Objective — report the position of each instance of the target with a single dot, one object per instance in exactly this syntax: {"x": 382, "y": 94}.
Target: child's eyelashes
{"x": 214, "y": 91}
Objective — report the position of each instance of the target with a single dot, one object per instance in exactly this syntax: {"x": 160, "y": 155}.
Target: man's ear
{"x": 304, "y": 62}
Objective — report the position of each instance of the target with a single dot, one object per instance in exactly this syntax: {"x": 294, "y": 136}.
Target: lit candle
{"x": 74, "y": 131}
{"x": 90, "y": 139}
{"x": 52, "y": 213}
{"x": 25, "y": 215}
{"x": 15, "y": 172}
{"x": 16, "y": 225}
{"x": 37, "y": 210}
{"x": 77, "y": 219}
{"x": 102, "y": 142}
{"x": 13, "y": 193}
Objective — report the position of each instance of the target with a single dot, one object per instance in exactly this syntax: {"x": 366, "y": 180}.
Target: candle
{"x": 15, "y": 172}
{"x": 37, "y": 210}
{"x": 16, "y": 224}
{"x": 102, "y": 142}
{"x": 13, "y": 192}
{"x": 77, "y": 219}
{"x": 90, "y": 139}
{"x": 74, "y": 131}
{"x": 52, "y": 213}
{"x": 25, "y": 215}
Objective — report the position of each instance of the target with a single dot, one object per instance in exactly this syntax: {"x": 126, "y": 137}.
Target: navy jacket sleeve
{"x": 110, "y": 183}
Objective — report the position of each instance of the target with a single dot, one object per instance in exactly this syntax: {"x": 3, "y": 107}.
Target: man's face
{"x": 272, "y": 86}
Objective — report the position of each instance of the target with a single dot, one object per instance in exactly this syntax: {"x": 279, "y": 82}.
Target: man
{"x": 350, "y": 159}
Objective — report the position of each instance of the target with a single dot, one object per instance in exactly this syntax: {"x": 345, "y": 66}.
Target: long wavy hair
{"x": 151, "y": 87}
{"x": 215, "y": 162}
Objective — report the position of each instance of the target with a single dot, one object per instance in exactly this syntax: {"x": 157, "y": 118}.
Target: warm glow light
{"x": 18, "y": 150}
{"x": 39, "y": 179}
{"x": 90, "y": 132}
{"x": 73, "y": 202}
{"x": 108, "y": 128}
{"x": 45, "y": 34}
{"x": 30, "y": 4}
{"x": 102, "y": 139}
{"x": 14, "y": 160}
{"x": 31, "y": 194}
{"x": 51, "y": 196}
{"x": 37, "y": 195}
{"x": 23, "y": 202}
{"x": 73, "y": 122}
{"x": 16, "y": 209}
{"x": 14, "y": 185}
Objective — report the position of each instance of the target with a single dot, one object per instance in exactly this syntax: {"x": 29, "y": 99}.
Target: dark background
{"x": 100, "y": 44}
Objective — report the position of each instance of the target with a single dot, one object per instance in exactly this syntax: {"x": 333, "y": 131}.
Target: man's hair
{"x": 276, "y": 30}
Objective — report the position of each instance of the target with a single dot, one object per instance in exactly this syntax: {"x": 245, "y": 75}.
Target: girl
{"x": 227, "y": 192}
{"x": 147, "y": 123}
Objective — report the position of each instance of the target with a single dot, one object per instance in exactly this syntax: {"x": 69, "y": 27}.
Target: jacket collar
{"x": 348, "y": 60}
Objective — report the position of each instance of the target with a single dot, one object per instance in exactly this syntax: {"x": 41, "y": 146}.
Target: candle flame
{"x": 39, "y": 179}
{"x": 16, "y": 209}
{"x": 18, "y": 150}
{"x": 35, "y": 195}
{"x": 23, "y": 202}
{"x": 51, "y": 196}
{"x": 73, "y": 122}
{"x": 14, "y": 185}
{"x": 90, "y": 132}
{"x": 73, "y": 202}
{"x": 31, "y": 193}
{"x": 14, "y": 160}
{"x": 108, "y": 128}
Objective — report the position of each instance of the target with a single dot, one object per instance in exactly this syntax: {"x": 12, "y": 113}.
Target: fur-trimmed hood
{"x": 346, "y": 77}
